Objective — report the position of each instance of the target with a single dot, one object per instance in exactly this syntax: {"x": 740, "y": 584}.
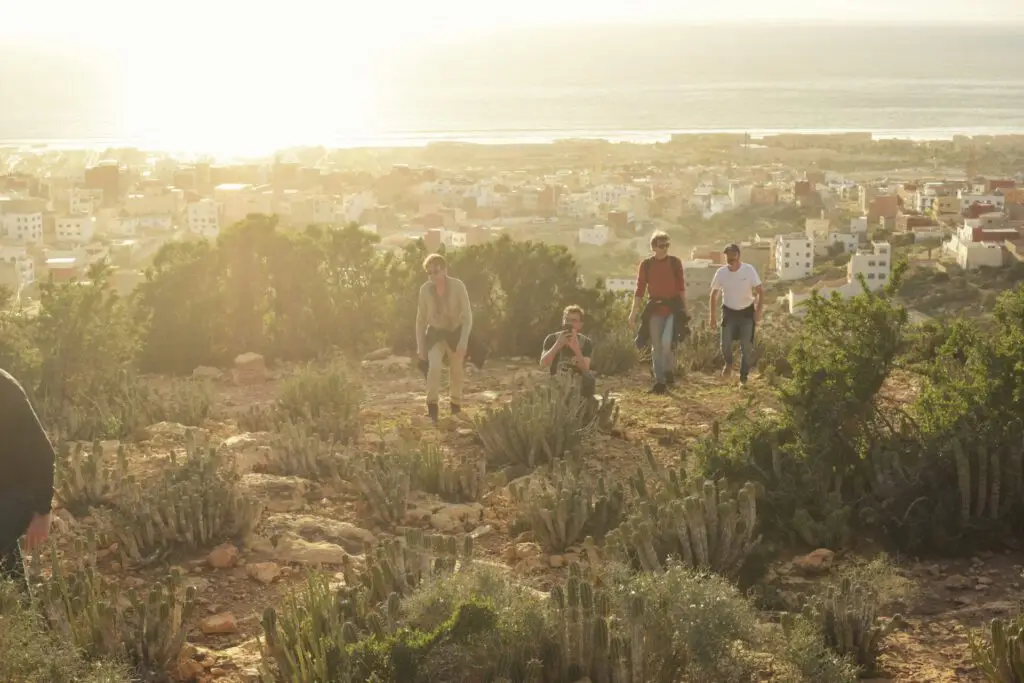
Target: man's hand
{"x": 757, "y": 314}
{"x": 713, "y": 320}
{"x": 37, "y": 533}
{"x": 574, "y": 344}
{"x": 460, "y": 355}
{"x": 422, "y": 355}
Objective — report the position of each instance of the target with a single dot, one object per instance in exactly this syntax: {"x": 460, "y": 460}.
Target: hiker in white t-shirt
{"x": 737, "y": 287}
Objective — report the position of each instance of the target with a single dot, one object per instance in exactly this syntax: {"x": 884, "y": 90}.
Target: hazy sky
{"x": 129, "y": 23}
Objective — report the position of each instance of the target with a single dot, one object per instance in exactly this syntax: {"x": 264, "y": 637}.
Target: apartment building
{"x": 596, "y": 236}
{"x": 794, "y": 256}
{"x": 22, "y": 220}
{"x": 76, "y": 229}
{"x": 203, "y": 218}
{"x": 875, "y": 265}
{"x": 19, "y": 261}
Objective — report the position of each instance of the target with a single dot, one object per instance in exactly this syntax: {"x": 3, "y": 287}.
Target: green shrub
{"x": 194, "y": 502}
{"x": 1000, "y": 655}
{"x": 186, "y": 401}
{"x": 537, "y": 426}
{"x": 327, "y": 397}
{"x": 615, "y": 353}
{"x": 30, "y": 651}
{"x": 566, "y": 506}
{"x": 685, "y": 625}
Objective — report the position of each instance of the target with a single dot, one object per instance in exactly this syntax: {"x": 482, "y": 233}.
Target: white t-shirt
{"x": 737, "y": 285}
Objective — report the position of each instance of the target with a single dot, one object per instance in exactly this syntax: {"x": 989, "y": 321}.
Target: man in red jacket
{"x": 664, "y": 316}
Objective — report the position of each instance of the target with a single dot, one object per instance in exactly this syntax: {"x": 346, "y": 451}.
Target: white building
{"x": 18, "y": 256}
{"x": 129, "y": 226}
{"x": 974, "y": 255}
{"x": 22, "y": 220}
{"x": 859, "y": 225}
{"x": 203, "y": 218}
{"x": 620, "y": 284}
{"x": 83, "y": 201}
{"x": 740, "y": 193}
{"x": 874, "y": 265}
{"x": 794, "y": 256}
{"x": 455, "y": 239}
{"x": 76, "y": 229}
{"x": 596, "y": 236}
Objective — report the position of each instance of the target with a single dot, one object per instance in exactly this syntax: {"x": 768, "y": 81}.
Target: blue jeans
{"x": 662, "y": 358}
{"x": 738, "y": 329}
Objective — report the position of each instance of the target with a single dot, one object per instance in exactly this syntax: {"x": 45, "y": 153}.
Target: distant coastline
{"x": 496, "y": 138}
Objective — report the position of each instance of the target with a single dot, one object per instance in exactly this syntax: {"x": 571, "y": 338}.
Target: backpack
{"x": 677, "y": 268}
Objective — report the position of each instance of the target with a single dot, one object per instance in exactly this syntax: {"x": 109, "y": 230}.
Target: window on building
{"x": 808, "y": 264}
{"x": 881, "y": 276}
{"x": 871, "y": 264}
{"x": 883, "y": 264}
{"x": 871, "y": 276}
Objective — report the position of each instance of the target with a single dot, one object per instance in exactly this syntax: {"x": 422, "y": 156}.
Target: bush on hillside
{"x": 30, "y": 651}
{"x": 537, "y": 426}
{"x": 329, "y": 398}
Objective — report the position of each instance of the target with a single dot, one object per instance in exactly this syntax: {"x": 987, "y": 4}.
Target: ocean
{"x": 635, "y": 83}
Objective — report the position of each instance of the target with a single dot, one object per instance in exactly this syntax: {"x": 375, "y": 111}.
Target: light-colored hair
{"x": 434, "y": 260}
{"x": 658, "y": 235}
{"x": 573, "y": 308}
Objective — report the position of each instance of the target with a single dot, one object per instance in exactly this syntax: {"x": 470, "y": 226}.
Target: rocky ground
{"x": 306, "y": 524}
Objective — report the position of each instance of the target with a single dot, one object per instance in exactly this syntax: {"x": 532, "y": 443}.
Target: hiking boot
{"x": 659, "y": 388}
{"x": 432, "y": 412}
{"x": 456, "y": 408}
{"x": 670, "y": 379}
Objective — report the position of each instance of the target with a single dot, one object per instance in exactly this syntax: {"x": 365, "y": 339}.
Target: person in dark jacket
{"x": 661, "y": 278}
{"x": 26, "y": 478}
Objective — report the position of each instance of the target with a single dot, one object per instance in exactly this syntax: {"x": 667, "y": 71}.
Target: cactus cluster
{"x": 602, "y": 413}
{"x": 989, "y": 479}
{"x": 400, "y": 565}
{"x": 707, "y": 529}
{"x": 460, "y": 482}
{"x": 537, "y": 426}
{"x": 196, "y": 503}
{"x": 85, "y": 478}
{"x": 312, "y": 639}
{"x": 847, "y": 615}
{"x": 296, "y": 450}
{"x": 93, "y": 614}
{"x": 567, "y": 509}
{"x": 383, "y": 481}
{"x": 187, "y": 402}
{"x": 1000, "y": 657}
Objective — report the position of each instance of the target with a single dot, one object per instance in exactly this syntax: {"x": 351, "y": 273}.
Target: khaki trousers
{"x": 435, "y": 360}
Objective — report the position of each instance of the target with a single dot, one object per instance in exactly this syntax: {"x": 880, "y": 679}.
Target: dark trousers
{"x": 15, "y": 515}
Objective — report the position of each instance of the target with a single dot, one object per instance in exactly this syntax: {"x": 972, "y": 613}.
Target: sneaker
{"x": 659, "y": 388}
{"x": 743, "y": 382}
{"x": 670, "y": 379}
{"x": 432, "y": 412}
{"x": 456, "y": 408}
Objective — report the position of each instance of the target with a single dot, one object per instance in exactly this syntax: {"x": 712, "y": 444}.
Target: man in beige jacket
{"x": 444, "y": 320}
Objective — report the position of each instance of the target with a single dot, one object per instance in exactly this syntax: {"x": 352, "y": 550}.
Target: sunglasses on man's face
{"x": 661, "y": 245}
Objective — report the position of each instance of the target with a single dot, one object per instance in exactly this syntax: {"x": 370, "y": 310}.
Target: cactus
{"x": 709, "y": 529}
{"x": 91, "y": 613}
{"x": 85, "y": 479}
{"x": 298, "y": 451}
{"x": 603, "y": 413}
{"x": 462, "y": 482}
{"x": 383, "y": 481}
{"x": 986, "y": 482}
{"x": 197, "y": 503}
{"x": 570, "y": 509}
{"x": 847, "y": 616}
{"x": 1000, "y": 657}
{"x": 537, "y": 426}
{"x": 399, "y": 565}
{"x": 157, "y": 627}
